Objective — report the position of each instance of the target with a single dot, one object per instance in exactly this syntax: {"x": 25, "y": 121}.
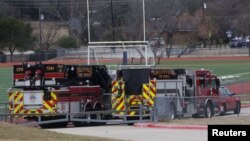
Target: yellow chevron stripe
{"x": 120, "y": 106}
{"x": 132, "y": 113}
{"x": 12, "y": 96}
{"x": 117, "y": 99}
{"x": 145, "y": 96}
{"x": 18, "y": 98}
{"x": 148, "y": 99}
{"x": 47, "y": 106}
{"x": 53, "y": 95}
{"x": 150, "y": 92}
{"x": 115, "y": 86}
{"x": 113, "y": 105}
{"x": 18, "y": 108}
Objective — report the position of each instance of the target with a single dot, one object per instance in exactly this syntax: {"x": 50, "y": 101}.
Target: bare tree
{"x": 71, "y": 13}
{"x": 49, "y": 35}
{"x": 8, "y": 10}
{"x": 162, "y": 18}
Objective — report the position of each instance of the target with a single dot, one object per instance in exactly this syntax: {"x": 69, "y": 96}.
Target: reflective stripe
{"x": 47, "y": 106}
{"x": 17, "y": 99}
{"x": 50, "y": 104}
{"x": 132, "y": 113}
{"x": 11, "y": 100}
{"x": 18, "y": 108}
{"x": 149, "y": 93}
{"x": 18, "y": 103}
{"x": 118, "y": 96}
{"x": 134, "y": 100}
{"x": 11, "y": 95}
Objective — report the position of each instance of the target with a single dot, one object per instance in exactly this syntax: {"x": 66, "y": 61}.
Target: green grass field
{"x": 12, "y": 132}
{"x": 239, "y": 69}
{"x": 219, "y": 67}
{"x": 5, "y": 82}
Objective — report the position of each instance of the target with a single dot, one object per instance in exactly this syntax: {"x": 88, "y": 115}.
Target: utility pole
{"x": 40, "y": 29}
{"x": 112, "y": 18}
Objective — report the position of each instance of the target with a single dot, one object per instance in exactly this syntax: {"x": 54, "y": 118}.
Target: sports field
{"x": 237, "y": 69}
{"x": 5, "y": 82}
{"x": 230, "y": 69}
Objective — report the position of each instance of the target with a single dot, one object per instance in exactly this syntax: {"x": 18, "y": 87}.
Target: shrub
{"x": 67, "y": 42}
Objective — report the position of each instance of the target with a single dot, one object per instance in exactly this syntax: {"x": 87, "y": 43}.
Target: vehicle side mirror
{"x": 189, "y": 82}
{"x": 217, "y": 81}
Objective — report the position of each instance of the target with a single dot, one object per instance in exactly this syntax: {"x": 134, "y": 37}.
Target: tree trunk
{"x": 11, "y": 50}
{"x": 11, "y": 57}
{"x": 170, "y": 47}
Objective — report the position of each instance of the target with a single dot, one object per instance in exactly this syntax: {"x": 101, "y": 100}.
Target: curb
{"x": 165, "y": 126}
{"x": 245, "y": 106}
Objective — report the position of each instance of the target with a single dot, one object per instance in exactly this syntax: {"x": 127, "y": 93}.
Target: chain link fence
{"x": 169, "y": 108}
{"x": 109, "y": 53}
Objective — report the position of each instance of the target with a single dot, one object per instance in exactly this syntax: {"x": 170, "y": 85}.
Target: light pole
{"x": 112, "y": 19}
{"x": 204, "y": 8}
{"x": 40, "y": 29}
{"x": 41, "y": 18}
{"x": 203, "y": 22}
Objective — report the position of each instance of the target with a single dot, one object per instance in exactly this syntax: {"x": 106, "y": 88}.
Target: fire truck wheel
{"x": 237, "y": 108}
{"x": 88, "y": 108}
{"x": 98, "y": 116}
{"x": 224, "y": 110}
{"x": 172, "y": 113}
{"x": 97, "y": 108}
{"x": 208, "y": 110}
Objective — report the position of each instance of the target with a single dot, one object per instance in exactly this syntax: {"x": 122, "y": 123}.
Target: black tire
{"x": 172, "y": 112}
{"x": 81, "y": 123}
{"x": 224, "y": 112}
{"x": 237, "y": 108}
{"x": 208, "y": 110}
{"x": 132, "y": 118}
{"x": 98, "y": 116}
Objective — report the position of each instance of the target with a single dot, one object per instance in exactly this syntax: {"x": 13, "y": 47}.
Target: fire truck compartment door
{"x": 170, "y": 87}
{"x": 33, "y": 99}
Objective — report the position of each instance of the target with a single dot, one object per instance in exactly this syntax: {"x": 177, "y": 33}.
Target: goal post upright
{"x": 103, "y": 44}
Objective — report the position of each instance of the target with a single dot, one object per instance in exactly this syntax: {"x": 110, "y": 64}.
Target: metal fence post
{"x": 141, "y": 113}
{"x": 5, "y": 111}
{"x": 155, "y": 112}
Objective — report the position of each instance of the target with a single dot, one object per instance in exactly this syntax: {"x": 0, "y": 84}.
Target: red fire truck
{"x": 192, "y": 92}
{"x": 57, "y": 89}
{"x": 189, "y": 92}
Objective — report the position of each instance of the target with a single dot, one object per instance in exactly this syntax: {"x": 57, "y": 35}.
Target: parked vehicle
{"x": 239, "y": 42}
{"x": 67, "y": 93}
{"x": 54, "y": 89}
{"x": 229, "y": 101}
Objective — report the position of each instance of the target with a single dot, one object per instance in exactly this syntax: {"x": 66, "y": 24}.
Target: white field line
{"x": 3, "y": 107}
{"x": 232, "y": 76}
